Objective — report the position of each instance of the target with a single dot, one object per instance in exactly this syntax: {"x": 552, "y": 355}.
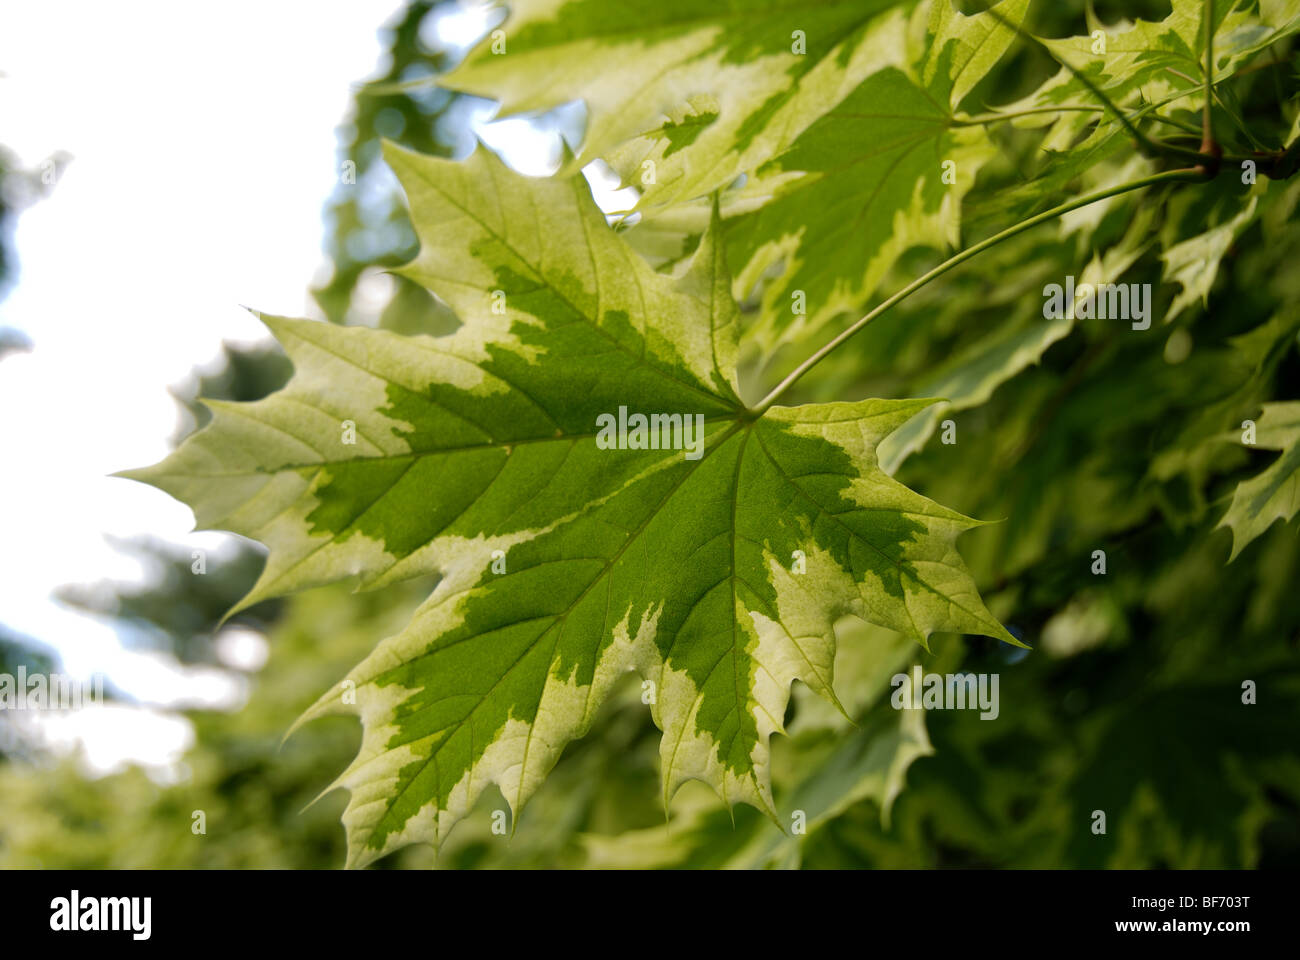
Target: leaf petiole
{"x": 1167, "y": 176}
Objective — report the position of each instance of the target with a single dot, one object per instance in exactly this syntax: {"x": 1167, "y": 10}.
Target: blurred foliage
{"x": 177, "y": 607}
{"x": 1103, "y": 439}
{"x": 367, "y": 226}
{"x": 244, "y": 373}
{"x": 254, "y": 793}
{"x": 19, "y": 188}
{"x": 16, "y": 650}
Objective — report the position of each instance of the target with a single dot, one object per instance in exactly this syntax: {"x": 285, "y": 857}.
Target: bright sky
{"x": 204, "y": 148}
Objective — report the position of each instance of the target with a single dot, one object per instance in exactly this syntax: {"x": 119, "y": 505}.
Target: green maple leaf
{"x": 1244, "y": 373}
{"x": 1198, "y": 234}
{"x": 1195, "y": 760}
{"x": 1143, "y": 67}
{"x": 970, "y": 378}
{"x": 1167, "y": 56}
{"x": 716, "y": 573}
{"x": 869, "y": 764}
{"x": 704, "y": 92}
{"x": 842, "y": 762}
{"x": 1121, "y": 59}
{"x": 1275, "y": 493}
{"x": 884, "y": 170}
{"x": 851, "y": 175}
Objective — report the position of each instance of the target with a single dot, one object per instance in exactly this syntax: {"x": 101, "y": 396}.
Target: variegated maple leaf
{"x": 698, "y": 93}
{"x": 843, "y": 115}
{"x": 715, "y": 572}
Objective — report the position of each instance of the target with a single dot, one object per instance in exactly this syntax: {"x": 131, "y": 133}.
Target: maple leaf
{"x": 855, "y": 149}
{"x": 1145, "y": 69}
{"x": 884, "y": 170}
{"x": 1165, "y": 58}
{"x": 714, "y": 563}
{"x": 1275, "y": 493}
{"x": 701, "y": 92}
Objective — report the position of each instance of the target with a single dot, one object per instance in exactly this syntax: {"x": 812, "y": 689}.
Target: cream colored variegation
{"x": 563, "y": 563}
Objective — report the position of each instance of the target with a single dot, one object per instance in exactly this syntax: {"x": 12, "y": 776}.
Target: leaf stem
{"x": 984, "y": 119}
{"x": 1166, "y": 176}
{"x": 1207, "y": 118}
{"x": 1146, "y": 145}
